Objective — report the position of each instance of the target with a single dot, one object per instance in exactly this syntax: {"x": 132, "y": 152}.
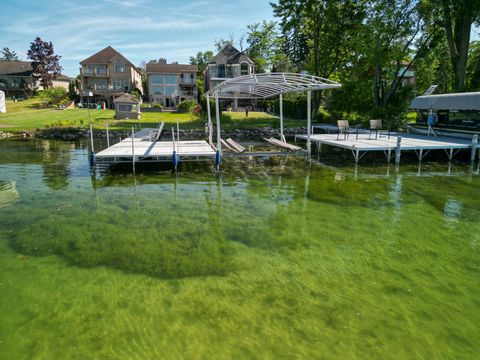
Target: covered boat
{"x": 455, "y": 114}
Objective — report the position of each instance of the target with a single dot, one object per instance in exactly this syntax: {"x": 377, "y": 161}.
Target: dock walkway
{"x": 396, "y": 144}
{"x": 142, "y": 149}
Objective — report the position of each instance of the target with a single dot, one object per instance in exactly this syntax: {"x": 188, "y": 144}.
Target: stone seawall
{"x": 79, "y": 133}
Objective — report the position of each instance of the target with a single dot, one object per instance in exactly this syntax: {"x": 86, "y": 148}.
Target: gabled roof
{"x": 126, "y": 98}
{"x": 170, "y": 68}
{"x": 104, "y": 56}
{"x": 19, "y": 68}
{"x": 62, "y": 77}
{"x": 232, "y": 55}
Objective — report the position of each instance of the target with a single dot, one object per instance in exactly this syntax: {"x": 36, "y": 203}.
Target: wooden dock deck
{"x": 142, "y": 149}
{"x": 396, "y": 144}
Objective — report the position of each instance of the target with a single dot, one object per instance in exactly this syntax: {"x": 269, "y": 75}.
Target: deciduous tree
{"x": 45, "y": 64}
{"x": 457, "y": 18}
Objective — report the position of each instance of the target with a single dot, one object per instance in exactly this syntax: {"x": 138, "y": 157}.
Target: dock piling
{"x": 92, "y": 150}
{"x": 133, "y": 148}
{"x": 108, "y": 136}
{"x": 398, "y": 149}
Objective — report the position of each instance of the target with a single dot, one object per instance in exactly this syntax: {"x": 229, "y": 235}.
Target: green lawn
{"x": 25, "y": 115}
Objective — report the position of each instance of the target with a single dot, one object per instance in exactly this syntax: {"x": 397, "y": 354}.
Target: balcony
{"x": 97, "y": 73}
{"x": 187, "y": 80}
{"x": 186, "y": 93}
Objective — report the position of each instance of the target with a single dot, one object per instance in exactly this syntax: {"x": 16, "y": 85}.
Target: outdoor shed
{"x": 127, "y": 107}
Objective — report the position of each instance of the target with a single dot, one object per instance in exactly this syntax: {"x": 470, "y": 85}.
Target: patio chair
{"x": 377, "y": 127}
{"x": 345, "y": 130}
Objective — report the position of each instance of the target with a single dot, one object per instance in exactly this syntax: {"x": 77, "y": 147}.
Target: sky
{"x": 139, "y": 29}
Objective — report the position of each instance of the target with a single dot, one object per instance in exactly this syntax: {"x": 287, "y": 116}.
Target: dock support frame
{"x": 209, "y": 123}
{"x": 92, "y": 149}
{"x": 218, "y": 155}
{"x": 309, "y": 125}
{"x": 398, "y": 150}
{"x": 473, "y": 152}
{"x": 282, "y": 136}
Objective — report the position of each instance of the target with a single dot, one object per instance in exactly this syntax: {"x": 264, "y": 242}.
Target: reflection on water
{"x": 8, "y": 193}
{"x": 335, "y": 261}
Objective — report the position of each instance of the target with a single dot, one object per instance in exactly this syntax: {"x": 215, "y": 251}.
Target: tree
{"x": 321, "y": 32}
{"x": 201, "y": 60}
{"x": 8, "y": 55}
{"x": 221, "y": 43}
{"x": 45, "y": 63}
{"x": 457, "y": 18}
{"x": 473, "y": 67}
{"x": 398, "y": 38}
{"x": 262, "y": 40}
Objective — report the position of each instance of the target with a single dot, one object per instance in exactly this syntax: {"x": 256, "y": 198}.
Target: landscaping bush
{"x": 158, "y": 106}
{"x": 186, "y": 106}
{"x": 54, "y": 96}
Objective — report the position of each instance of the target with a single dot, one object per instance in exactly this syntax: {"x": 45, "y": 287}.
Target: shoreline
{"x": 74, "y": 133}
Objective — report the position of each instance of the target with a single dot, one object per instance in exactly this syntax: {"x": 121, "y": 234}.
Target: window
{"x": 170, "y": 90}
{"x": 101, "y": 69}
{"x": 157, "y": 89}
{"x": 119, "y": 67}
{"x": 157, "y": 79}
{"x": 88, "y": 69}
{"x": 213, "y": 70}
{"x": 127, "y": 107}
{"x": 170, "y": 79}
{"x": 229, "y": 71}
{"x": 165, "y": 84}
{"x": 221, "y": 71}
{"x": 96, "y": 84}
{"x": 244, "y": 69}
{"x": 120, "y": 84}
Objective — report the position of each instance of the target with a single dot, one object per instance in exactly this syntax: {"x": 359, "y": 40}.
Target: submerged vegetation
{"x": 267, "y": 259}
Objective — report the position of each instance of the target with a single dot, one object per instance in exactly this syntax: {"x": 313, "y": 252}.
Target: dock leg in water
{"x": 474, "y": 148}
{"x": 398, "y": 150}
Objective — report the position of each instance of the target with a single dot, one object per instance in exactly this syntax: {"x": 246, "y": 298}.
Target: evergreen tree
{"x": 8, "y": 55}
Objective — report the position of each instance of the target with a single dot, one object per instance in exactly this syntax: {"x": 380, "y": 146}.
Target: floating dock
{"x": 394, "y": 144}
{"x": 141, "y": 148}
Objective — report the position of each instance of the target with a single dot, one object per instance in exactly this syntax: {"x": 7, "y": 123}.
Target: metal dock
{"x": 393, "y": 146}
{"x": 139, "y": 147}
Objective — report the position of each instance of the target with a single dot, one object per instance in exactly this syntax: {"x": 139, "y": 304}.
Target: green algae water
{"x": 270, "y": 259}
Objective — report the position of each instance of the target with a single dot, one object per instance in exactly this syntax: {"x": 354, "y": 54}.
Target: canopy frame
{"x": 264, "y": 86}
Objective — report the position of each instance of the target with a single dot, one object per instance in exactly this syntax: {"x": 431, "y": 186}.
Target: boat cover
{"x": 458, "y": 101}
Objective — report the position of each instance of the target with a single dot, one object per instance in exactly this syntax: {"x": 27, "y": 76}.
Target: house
{"x": 108, "y": 74}
{"x": 62, "y": 81}
{"x": 228, "y": 63}
{"x": 16, "y": 79}
{"x": 170, "y": 84}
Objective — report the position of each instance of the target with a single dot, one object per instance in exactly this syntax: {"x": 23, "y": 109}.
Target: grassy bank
{"x": 25, "y": 115}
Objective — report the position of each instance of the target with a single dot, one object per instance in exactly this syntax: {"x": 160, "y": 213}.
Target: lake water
{"x": 270, "y": 259}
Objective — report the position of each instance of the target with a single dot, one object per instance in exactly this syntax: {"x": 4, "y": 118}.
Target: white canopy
{"x": 3, "y": 106}
{"x": 457, "y": 101}
{"x": 269, "y": 84}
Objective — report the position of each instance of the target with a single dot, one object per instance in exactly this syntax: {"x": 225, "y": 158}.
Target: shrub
{"x": 53, "y": 96}
{"x": 158, "y": 106}
{"x": 186, "y": 106}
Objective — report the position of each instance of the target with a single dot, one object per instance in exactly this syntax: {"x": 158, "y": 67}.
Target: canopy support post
{"x": 309, "y": 124}
{"x": 282, "y": 137}
{"x": 218, "y": 157}
{"x": 210, "y": 140}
